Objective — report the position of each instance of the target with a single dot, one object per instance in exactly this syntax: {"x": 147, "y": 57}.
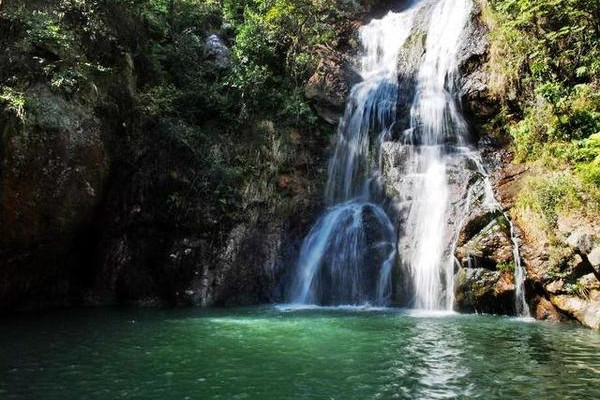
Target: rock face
{"x": 330, "y": 85}
{"x": 562, "y": 280}
{"x": 483, "y": 291}
{"x": 485, "y": 281}
{"x": 103, "y": 201}
{"x": 149, "y": 255}
{"x": 489, "y": 248}
{"x": 54, "y": 172}
{"x": 474, "y": 90}
{"x": 477, "y": 235}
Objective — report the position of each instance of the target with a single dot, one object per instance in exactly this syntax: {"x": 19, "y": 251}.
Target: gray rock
{"x": 581, "y": 241}
{"x": 473, "y": 56}
{"x": 594, "y": 257}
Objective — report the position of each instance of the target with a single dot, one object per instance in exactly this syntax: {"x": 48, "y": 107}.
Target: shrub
{"x": 14, "y": 102}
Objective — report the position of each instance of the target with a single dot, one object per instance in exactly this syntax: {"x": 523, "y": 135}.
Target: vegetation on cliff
{"x": 545, "y": 69}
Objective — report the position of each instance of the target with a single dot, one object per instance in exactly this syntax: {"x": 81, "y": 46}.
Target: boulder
{"x": 484, "y": 291}
{"x": 594, "y": 257}
{"x": 489, "y": 248}
{"x": 585, "y": 310}
{"x": 581, "y": 241}
{"x": 217, "y": 51}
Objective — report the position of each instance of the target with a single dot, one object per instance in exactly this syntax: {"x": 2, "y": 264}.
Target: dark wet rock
{"x": 475, "y": 94}
{"x": 484, "y": 291}
{"x": 379, "y": 8}
{"x": 54, "y": 171}
{"x": 489, "y": 248}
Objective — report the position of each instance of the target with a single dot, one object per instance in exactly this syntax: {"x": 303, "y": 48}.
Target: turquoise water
{"x": 278, "y": 353}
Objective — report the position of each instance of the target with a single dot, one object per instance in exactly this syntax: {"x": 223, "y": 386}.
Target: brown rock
{"x": 544, "y": 310}
{"x": 509, "y": 182}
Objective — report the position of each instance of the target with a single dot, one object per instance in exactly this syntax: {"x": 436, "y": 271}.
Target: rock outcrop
{"x": 54, "y": 171}
{"x": 562, "y": 278}
{"x": 330, "y": 85}
{"x": 480, "y": 290}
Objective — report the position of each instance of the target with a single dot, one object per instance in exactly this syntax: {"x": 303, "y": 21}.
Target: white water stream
{"x": 436, "y": 122}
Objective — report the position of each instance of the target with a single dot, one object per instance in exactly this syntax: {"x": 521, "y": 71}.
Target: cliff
{"x": 174, "y": 152}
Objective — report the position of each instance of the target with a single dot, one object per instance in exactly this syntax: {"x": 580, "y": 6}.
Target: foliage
{"x": 546, "y": 50}
{"x": 551, "y": 194}
{"x": 506, "y": 266}
{"x": 50, "y": 42}
{"x": 544, "y": 68}
{"x": 275, "y": 48}
{"x": 185, "y": 125}
{"x": 578, "y": 288}
{"x": 14, "y": 102}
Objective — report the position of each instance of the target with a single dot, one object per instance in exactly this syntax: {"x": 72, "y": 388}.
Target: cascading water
{"x": 437, "y": 133}
{"x": 348, "y": 255}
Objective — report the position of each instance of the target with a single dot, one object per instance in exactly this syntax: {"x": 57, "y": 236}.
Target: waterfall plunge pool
{"x": 282, "y": 352}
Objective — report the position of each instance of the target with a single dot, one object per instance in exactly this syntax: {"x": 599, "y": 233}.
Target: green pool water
{"x": 281, "y": 353}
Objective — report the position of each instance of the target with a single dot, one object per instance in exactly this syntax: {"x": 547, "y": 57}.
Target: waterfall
{"x": 348, "y": 255}
{"x": 350, "y": 252}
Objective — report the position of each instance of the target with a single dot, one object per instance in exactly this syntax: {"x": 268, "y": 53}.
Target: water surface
{"x": 284, "y": 353}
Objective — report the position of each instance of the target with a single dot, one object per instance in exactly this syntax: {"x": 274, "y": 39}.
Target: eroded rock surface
{"x": 562, "y": 280}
